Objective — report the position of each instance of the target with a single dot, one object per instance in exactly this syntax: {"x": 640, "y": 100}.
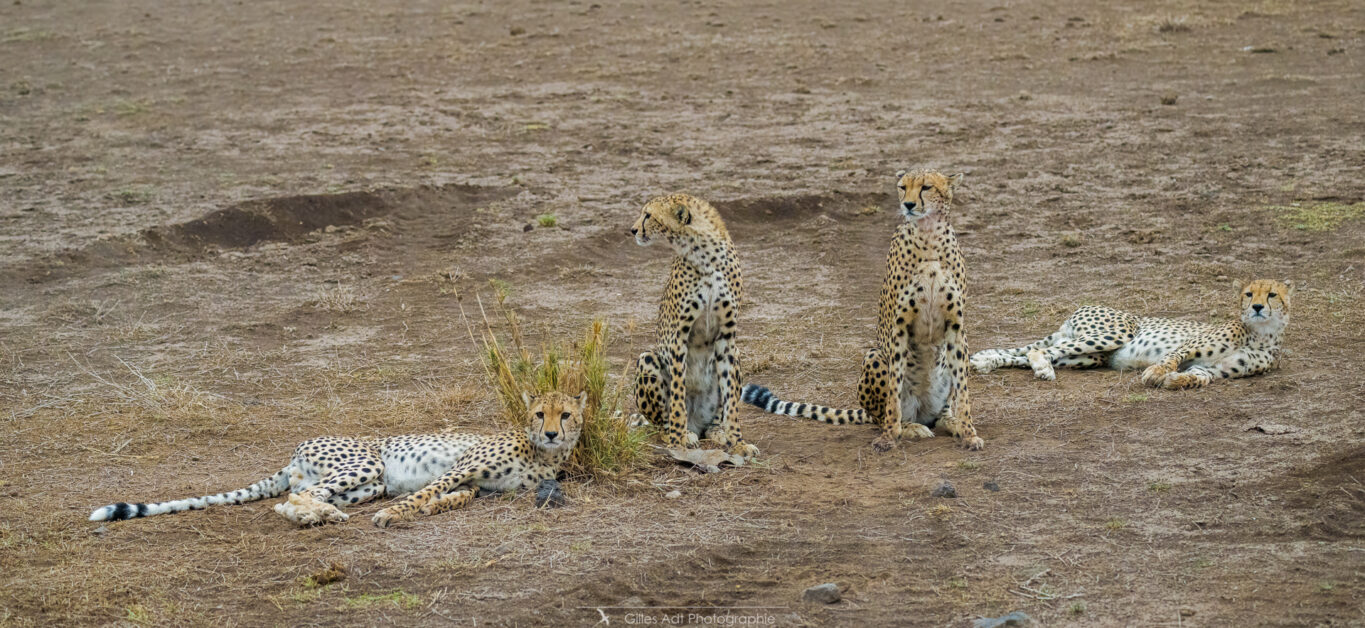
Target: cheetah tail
{"x": 764, "y": 399}
{"x": 272, "y": 486}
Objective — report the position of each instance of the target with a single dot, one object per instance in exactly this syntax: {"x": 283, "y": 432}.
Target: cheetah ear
{"x": 1239, "y": 283}
{"x": 680, "y": 212}
{"x": 527, "y": 399}
{"x": 582, "y": 400}
{"x": 955, "y": 179}
{"x": 900, "y": 174}
{"x": 1289, "y": 283}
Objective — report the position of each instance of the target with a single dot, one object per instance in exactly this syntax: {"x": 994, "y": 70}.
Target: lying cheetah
{"x": 1176, "y": 354}
{"x": 918, "y": 369}
{"x": 449, "y": 470}
{"x": 689, "y": 384}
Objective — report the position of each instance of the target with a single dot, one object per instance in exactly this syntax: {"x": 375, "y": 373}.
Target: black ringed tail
{"x": 764, "y": 399}
{"x": 273, "y": 486}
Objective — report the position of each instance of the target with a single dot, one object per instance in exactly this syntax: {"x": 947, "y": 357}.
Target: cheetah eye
{"x": 926, "y": 188}
{"x": 540, "y": 415}
{"x": 1248, "y": 294}
{"x": 1272, "y": 295}
{"x": 564, "y": 416}
{"x": 901, "y": 187}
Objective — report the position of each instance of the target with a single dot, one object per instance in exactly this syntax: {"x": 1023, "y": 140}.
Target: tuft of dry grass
{"x": 608, "y": 447}
{"x": 337, "y": 298}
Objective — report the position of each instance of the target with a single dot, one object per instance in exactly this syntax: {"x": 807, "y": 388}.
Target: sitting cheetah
{"x": 918, "y": 369}
{"x": 449, "y": 469}
{"x": 689, "y": 384}
{"x": 1176, "y": 354}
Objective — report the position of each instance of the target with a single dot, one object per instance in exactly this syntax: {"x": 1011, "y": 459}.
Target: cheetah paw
{"x": 746, "y": 450}
{"x": 884, "y": 443}
{"x": 306, "y": 510}
{"x": 386, "y": 518}
{"x": 692, "y": 440}
{"x": 1155, "y": 375}
{"x": 919, "y": 431}
{"x": 1180, "y": 381}
{"x": 1042, "y": 367}
{"x": 982, "y": 364}
{"x": 638, "y": 420}
{"x": 974, "y": 443}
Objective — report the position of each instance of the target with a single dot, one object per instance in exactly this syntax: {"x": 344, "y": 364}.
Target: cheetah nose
{"x": 634, "y": 231}
{"x": 550, "y": 436}
{"x": 1258, "y": 307}
{"x": 909, "y": 204}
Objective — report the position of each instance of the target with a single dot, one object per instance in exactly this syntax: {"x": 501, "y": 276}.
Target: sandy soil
{"x": 228, "y": 227}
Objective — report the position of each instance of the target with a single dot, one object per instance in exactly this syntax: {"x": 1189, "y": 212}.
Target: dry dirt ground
{"x": 228, "y": 227}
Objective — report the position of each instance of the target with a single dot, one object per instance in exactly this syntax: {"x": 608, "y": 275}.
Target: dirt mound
{"x": 287, "y": 219}
{"x": 1330, "y": 494}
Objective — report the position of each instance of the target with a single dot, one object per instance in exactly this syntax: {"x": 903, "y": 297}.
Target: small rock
{"x": 549, "y": 494}
{"x": 1017, "y": 618}
{"x": 516, "y": 30}
{"x": 1169, "y": 98}
{"x": 1187, "y": 612}
{"x": 991, "y": 486}
{"x": 528, "y": 227}
{"x": 944, "y": 490}
{"x": 674, "y": 494}
{"x": 827, "y": 593}
{"x": 100, "y": 531}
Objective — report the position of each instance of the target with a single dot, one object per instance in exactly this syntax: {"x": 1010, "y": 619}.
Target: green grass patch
{"x": 398, "y": 599}
{"x": 1115, "y": 524}
{"x": 1324, "y": 216}
{"x": 547, "y": 220}
{"x": 1136, "y": 398}
{"x": 1159, "y": 487}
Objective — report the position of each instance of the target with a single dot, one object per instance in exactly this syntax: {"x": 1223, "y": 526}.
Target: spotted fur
{"x": 688, "y": 384}
{"x": 445, "y": 470}
{"x": 1173, "y": 353}
{"x": 917, "y": 372}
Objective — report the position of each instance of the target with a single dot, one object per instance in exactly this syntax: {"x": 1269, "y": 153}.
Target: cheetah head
{"x": 678, "y": 219}
{"x": 1265, "y": 302}
{"x": 556, "y": 419}
{"x": 924, "y": 192}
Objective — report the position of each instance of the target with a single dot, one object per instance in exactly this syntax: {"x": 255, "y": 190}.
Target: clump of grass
{"x": 337, "y": 298}
{"x": 1071, "y": 240}
{"x": 547, "y": 220}
{"x": 1115, "y": 524}
{"x": 1326, "y": 587}
{"x": 968, "y": 465}
{"x": 1077, "y": 608}
{"x": 398, "y": 599}
{"x": 1136, "y": 398}
{"x": 1324, "y": 216}
{"x": 1173, "y": 24}
{"x": 1159, "y": 486}
{"x": 608, "y": 446}
{"x": 137, "y": 614}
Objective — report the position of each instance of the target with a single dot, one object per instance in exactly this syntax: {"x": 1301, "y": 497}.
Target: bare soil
{"x": 228, "y": 227}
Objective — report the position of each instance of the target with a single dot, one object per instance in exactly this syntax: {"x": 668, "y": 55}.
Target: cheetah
{"x": 917, "y": 371}
{"x": 1174, "y": 353}
{"x": 689, "y": 384}
{"x": 446, "y": 470}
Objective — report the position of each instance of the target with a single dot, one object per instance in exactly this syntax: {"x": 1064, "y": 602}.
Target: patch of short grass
{"x": 1136, "y": 398}
{"x": 547, "y": 220}
{"x": 968, "y": 465}
{"x": 337, "y": 298}
{"x": 1071, "y": 240}
{"x": 1076, "y": 608}
{"x": 1326, "y": 588}
{"x": 1159, "y": 486}
{"x": 398, "y": 599}
{"x": 1115, "y": 524}
{"x": 1324, "y": 216}
{"x": 137, "y": 614}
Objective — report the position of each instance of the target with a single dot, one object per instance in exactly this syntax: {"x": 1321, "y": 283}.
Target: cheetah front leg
{"x": 727, "y": 376}
{"x": 674, "y": 424}
{"x": 1243, "y": 363}
{"x": 957, "y": 412}
{"x": 429, "y": 500}
{"x": 888, "y": 382}
{"x": 651, "y": 389}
